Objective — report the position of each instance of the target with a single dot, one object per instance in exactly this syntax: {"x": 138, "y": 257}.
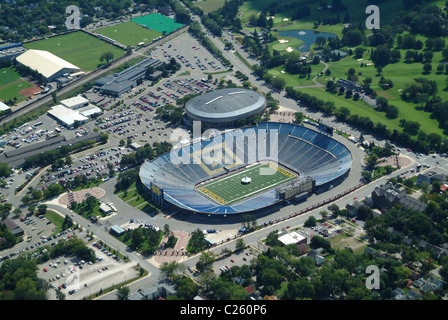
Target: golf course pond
{"x": 307, "y": 37}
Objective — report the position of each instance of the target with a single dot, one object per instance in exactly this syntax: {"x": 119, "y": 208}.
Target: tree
{"x": 123, "y": 293}
{"x": 427, "y": 67}
{"x": 310, "y": 222}
{"x": 107, "y": 56}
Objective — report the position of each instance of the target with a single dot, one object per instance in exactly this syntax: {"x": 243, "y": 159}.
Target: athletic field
{"x": 78, "y": 48}
{"x": 129, "y": 33}
{"x": 8, "y": 76}
{"x": 158, "y": 22}
{"x": 229, "y": 189}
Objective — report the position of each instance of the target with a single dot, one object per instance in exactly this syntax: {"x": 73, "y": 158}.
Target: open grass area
{"x": 361, "y": 108}
{"x": 296, "y": 80}
{"x": 8, "y": 76}
{"x": 129, "y": 33}
{"x": 210, "y": 5}
{"x": 230, "y": 189}
{"x": 136, "y": 197}
{"x": 56, "y": 219}
{"x": 13, "y": 91}
{"x": 78, "y": 48}
{"x": 344, "y": 240}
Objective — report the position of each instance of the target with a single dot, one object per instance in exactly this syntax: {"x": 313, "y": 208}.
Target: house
{"x": 13, "y": 227}
{"x": 387, "y": 196}
{"x": 161, "y": 289}
{"x": 238, "y": 280}
{"x": 352, "y": 209}
{"x": 429, "y": 177}
{"x": 413, "y": 295}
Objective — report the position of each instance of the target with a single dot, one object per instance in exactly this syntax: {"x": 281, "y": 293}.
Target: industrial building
{"x": 4, "y": 109}
{"x": 66, "y": 116}
{"x": 223, "y": 108}
{"x": 119, "y": 83}
{"x": 47, "y": 64}
{"x": 76, "y": 109}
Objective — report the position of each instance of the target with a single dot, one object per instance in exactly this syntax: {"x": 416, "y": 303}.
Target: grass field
{"x": 210, "y": 5}
{"x": 229, "y": 189}
{"x": 78, "y": 48}
{"x": 8, "y": 76}
{"x": 13, "y": 91}
{"x": 129, "y": 33}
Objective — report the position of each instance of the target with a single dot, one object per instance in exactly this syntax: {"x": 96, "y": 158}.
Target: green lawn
{"x": 12, "y": 91}
{"x": 210, "y": 5}
{"x": 401, "y": 75}
{"x": 295, "y": 80}
{"x": 229, "y": 189}
{"x": 78, "y": 48}
{"x": 8, "y": 75}
{"x": 129, "y": 33}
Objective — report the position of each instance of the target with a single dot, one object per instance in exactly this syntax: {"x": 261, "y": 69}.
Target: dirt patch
{"x": 30, "y": 91}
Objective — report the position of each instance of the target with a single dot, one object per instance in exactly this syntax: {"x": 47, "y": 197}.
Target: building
{"x": 13, "y": 227}
{"x": 292, "y": 238}
{"x": 4, "y": 109}
{"x": 47, "y": 64}
{"x": 429, "y": 177}
{"x": 162, "y": 289}
{"x": 119, "y": 83}
{"x": 75, "y": 102}
{"x": 74, "y": 110}
{"x": 387, "y": 196}
{"x": 66, "y": 116}
{"x": 224, "y": 107}
{"x": 117, "y": 230}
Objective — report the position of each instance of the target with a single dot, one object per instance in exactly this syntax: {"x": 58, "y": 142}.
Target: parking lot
{"x": 78, "y": 278}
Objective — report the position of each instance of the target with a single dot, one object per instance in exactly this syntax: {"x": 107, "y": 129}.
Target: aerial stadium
{"x": 226, "y": 174}
{"x": 224, "y": 107}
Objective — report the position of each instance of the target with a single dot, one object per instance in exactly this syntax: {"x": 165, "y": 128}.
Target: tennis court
{"x": 158, "y": 23}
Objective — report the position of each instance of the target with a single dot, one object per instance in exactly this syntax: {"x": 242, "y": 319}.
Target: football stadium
{"x": 246, "y": 169}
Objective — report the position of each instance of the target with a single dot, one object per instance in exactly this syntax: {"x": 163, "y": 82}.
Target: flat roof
{"x": 66, "y": 115}
{"x": 291, "y": 238}
{"x": 75, "y": 101}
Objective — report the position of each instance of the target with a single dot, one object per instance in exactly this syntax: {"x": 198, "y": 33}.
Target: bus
{"x": 38, "y": 123}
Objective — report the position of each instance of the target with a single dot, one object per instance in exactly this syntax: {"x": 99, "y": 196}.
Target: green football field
{"x": 129, "y": 33}
{"x": 229, "y": 189}
{"x": 8, "y": 76}
{"x": 79, "y": 48}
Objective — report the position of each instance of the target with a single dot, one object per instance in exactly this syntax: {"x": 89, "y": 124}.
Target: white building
{"x": 75, "y": 102}
{"x": 47, "y": 64}
{"x": 292, "y": 238}
{"x": 66, "y": 116}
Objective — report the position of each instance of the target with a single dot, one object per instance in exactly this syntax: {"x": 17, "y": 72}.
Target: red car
{"x": 45, "y": 270}
{"x": 232, "y": 260}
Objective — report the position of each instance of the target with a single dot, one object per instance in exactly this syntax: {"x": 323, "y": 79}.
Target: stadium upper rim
{"x": 305, "y": 151}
